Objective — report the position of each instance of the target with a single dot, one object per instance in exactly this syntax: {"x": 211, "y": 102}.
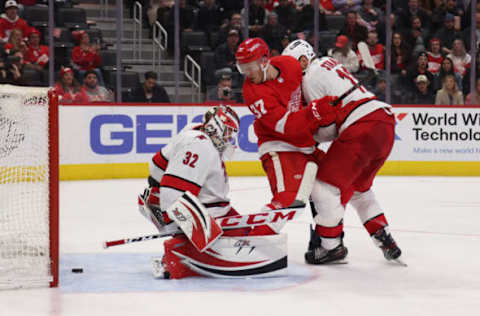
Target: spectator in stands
{"x": 257, "y": 16}
{"x": 414, "y": 9}
{"x": 401, "y": 54}
{"x": 380, "y": 89}
{"x": 14, "y": 66}
{"x": 68, "y": 88}
{"x": 340, "y": 6}
{"x": 371, "y": 15}
{"x": 416, "y": 36}
{"x": 377, "y": 51}
{"x": 419, "y": 68}
{"x": 209, "y": 18}
{"x": 273, "y": 33}
{"x": 476, "y": 100}
{"x": 447, "y": 33}
{"x": 225, "y": 53}
{"x": 305, "y": 18}
{"x": 149, "y": 91}
{"x": 465, "y": 83}
{"x": 229, "y": 7}
{"x": 161, "y": 13}
{"x": 285, "y": 41}
{"x": 444, "y": 7}
{"x": 344, "y": 54}
{"x": 236, "y": 22}
{"x": 450, "y": 94}
{"x": 223, "y": 92}
{"x": 186, "y": 20}
{"x": 85, "y": 56}
{"x": 93, "y": 91}
{"x": 287, "y": 14}
{"x": 10, "y": 20}
{"x": 461, "y": 59}
{"x": 11, "y": 69}
{"x": 421, "y": 93}
{"x": 446, "y": 69}
{"x": 15, "y": 42}
{"x": 381, "y": 29}
{"x": 434, "y": 56}
{"x": 37, "y": 56}
{"x": 353, "y": 30}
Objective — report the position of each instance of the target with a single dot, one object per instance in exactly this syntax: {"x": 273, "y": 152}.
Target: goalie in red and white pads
{"x": 188, "y": 188}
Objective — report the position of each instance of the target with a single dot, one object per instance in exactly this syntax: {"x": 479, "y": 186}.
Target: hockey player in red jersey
{"x": 272, "y": 91}
{"x": 362, "y": 131}
{"x": 190, "y": 171}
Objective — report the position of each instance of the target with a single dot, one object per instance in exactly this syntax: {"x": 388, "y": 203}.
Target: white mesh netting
{"x": 24, "y": 190}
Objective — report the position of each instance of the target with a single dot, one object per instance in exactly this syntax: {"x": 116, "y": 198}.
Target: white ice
{"x": 436, "y": 222}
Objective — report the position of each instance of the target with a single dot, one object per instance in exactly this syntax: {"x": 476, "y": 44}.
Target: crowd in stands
{"x": 430, "y": 63}
{"x": 431, "y": 38}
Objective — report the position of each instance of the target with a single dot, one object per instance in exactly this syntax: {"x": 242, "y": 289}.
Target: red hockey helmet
{"x": 250, "y": 50}
{"x": 252, "y": 56}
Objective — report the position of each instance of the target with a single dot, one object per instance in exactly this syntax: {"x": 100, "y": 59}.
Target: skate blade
{"x": 399, "y": 262}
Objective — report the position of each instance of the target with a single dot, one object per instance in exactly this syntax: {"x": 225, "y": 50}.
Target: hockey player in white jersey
{"x": 188, "y": 189}
{"x": 362, "y": 131}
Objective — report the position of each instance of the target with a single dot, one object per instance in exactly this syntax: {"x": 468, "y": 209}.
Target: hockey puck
{"x": 77, "y": 270}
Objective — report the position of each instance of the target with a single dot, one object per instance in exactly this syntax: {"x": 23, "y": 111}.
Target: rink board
{"x": 105, "y": 141}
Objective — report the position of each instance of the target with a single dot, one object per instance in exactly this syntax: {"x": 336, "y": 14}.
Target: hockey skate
{"x": 320, "y": 255}
{"x": 384, "y": 240}
{"x": 315, "y": 241}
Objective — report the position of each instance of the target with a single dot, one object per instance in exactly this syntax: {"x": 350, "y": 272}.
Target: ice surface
{"x": 436, "y": 222}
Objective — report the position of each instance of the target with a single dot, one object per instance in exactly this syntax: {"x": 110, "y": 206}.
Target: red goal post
{"x": 29, "y": 217}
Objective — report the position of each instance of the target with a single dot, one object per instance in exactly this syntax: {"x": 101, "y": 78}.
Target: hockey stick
{"x": 346, "y": 93}
{"x": 229, "y": 222}
{"x": 112, "y": 243}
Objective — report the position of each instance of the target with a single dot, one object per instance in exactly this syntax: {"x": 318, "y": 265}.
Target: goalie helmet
{"x": 221, "y": 124}
{"x": 299, "y": 48}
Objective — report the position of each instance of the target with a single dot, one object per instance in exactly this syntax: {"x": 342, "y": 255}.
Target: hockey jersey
{"x": 190, "y": 162}
{"x": 327, "y": 77}
{"x": 7, "y": 25}
{"x": 281, "y": 123}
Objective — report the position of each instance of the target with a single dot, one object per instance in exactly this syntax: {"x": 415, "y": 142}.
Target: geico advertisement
{"x": 126, "y": 134}
{"x": 437, "y": 134}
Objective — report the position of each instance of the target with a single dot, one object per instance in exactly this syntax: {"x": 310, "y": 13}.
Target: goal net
{"x": 28, "y": 187}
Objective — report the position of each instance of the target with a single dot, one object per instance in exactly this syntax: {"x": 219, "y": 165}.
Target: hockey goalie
{"x": 187, "y": 198}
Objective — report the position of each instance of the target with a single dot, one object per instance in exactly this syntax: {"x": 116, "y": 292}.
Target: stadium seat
{"x": 195, "y": 42}
{"x": 36, "y": 16}
{"x": 335, "y": 22}
{"x": 327, "y": 40}
{"x": 207, "y": 63}
{"x": 130, "y": 80}
{"x": 73, "y": 18}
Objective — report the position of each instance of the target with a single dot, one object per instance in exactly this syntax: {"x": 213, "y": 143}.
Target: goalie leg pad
{"x": 228, "y": 257}
{"x": 193, "y": 219}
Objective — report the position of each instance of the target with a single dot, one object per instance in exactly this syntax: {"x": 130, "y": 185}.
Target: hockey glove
{"x": 324, "y": 110}
{"x": 149, "y": 206}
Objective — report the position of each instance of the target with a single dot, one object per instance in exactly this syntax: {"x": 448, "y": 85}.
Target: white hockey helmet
{"x": 299, "y": 48}
{"x": 221, "y": 123}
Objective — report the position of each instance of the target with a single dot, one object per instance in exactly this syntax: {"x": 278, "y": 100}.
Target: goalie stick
{"x": 229, "y": 222}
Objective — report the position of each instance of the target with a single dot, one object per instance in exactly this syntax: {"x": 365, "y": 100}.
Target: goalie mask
{"x": 221, "y": 123}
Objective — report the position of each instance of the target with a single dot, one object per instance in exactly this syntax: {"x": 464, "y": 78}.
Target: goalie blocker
{"x": 204, "y": 249}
